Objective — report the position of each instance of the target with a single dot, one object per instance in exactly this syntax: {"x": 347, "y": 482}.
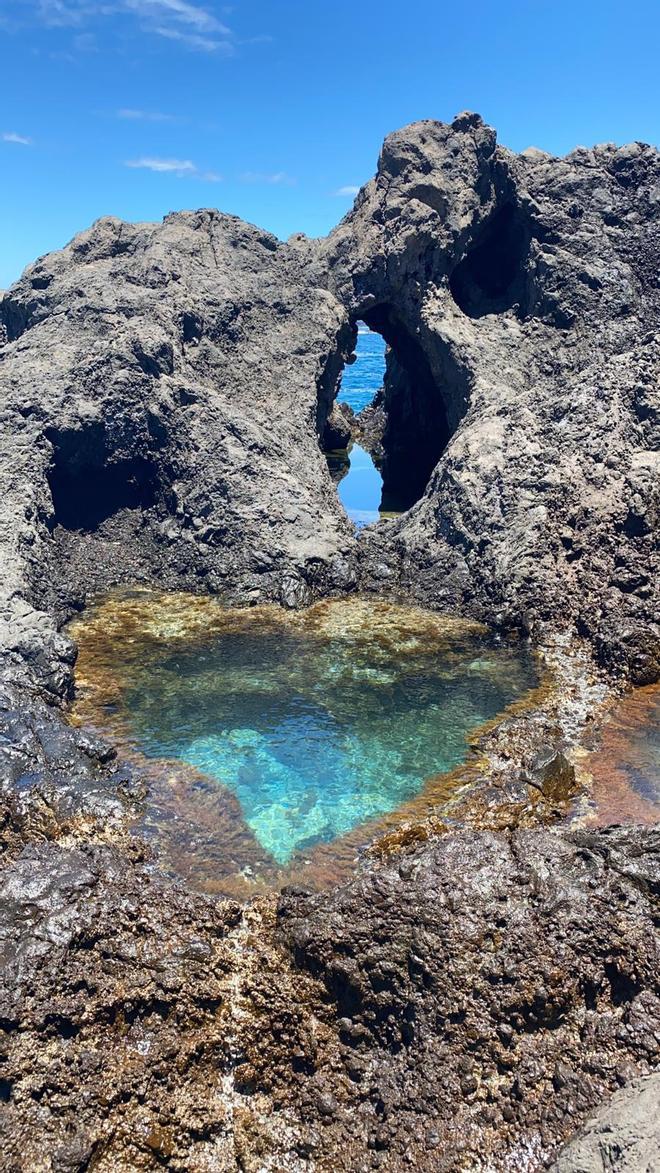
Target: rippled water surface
{"x": 305, "y": 725}
{"x": 364, "y": 377}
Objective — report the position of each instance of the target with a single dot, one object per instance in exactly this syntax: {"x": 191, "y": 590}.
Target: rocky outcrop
{"x": 166, "y": 394}
{"x": 622, "y": 1137}
{"x": 165, "y": 388}
{"x": 520, "y": 299}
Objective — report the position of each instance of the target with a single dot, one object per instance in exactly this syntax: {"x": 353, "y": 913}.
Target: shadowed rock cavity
{"x": 493, "y": 277}
{"x": 88, "y": 485}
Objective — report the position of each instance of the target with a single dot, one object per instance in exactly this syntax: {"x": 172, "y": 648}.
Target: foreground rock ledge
{"x": 463, "y": 1008}
{"x": 165, "y": 391}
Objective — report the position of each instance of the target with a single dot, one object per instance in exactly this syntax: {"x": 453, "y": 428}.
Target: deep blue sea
{"x": 361, "y": 381}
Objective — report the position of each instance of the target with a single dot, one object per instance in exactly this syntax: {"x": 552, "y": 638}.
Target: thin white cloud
{"x": 194, "y": 25}
{"x": 274, "y": 177}
{"x": 349, "y": 189}
{"x": 189, "y": 14}
{"x": 196, "y": 40}
{"x": 9, "y": 136}
{"x": 179, "y": 167}
{"x": 130, "y": 115}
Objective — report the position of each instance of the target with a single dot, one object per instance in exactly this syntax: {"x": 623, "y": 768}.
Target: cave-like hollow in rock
{"x": 89, "y": 482}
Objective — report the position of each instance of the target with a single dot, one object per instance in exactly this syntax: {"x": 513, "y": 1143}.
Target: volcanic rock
{"x": 166, "y": 393}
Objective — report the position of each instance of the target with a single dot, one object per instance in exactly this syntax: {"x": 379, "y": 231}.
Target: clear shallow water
{"x": 315, "y": 722}
{"x": 625, "y": 767}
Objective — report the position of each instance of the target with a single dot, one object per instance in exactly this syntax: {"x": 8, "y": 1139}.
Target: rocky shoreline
{"x": 483, "y": 983}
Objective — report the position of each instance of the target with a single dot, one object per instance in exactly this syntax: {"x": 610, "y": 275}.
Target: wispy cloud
{"x": 9, "y": 136}
{"x": 349, "y": 189}
{"x": 182, "y": 168}
{"x": 196, "y": 40}
{"x": 274, "y": 177}
{"x": 194, "y": 25}
{"x": 187, "y": 14}
{"x": 130, "y": 115}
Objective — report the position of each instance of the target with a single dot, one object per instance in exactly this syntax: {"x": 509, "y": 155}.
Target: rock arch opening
{"x": 494, "y": 277}
{"x": 413, "y": 404}
{"x": 88, "y": 484}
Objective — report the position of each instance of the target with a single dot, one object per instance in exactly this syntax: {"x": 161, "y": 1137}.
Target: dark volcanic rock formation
{"x": 520, "y": 298}
{"x": 165, "y": 388}
{"x": 166, "y": 391}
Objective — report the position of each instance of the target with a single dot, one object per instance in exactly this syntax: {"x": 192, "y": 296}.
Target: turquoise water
{"x": 361, "y": 381}
{"x": 320, "y": 723}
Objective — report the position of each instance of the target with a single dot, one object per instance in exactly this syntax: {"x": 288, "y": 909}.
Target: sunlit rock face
{"x": 166, "y": 387}
{"x": 519, "y": 297}
{"x": 291, "y": 731}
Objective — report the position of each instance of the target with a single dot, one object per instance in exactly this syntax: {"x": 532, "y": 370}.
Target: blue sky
{"x": 276, "y": 111}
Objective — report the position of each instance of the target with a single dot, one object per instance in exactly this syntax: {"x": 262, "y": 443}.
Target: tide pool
{"x": 315, "y": 722}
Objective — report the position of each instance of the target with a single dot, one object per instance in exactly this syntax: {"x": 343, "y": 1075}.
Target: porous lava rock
{"x": 519, "y": 295}
{"x": 165, "y": 392}
{"x": 461, "y": 1008}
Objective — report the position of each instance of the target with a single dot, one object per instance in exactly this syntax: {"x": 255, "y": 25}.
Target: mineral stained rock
{"x": 460, "y": 1009}
{"x": 166, "y": 393}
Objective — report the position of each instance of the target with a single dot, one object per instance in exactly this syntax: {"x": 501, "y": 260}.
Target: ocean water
{"x": 361, "y": 488}
{"x": 316, "y": 722}
{"x": 362, "y": 380}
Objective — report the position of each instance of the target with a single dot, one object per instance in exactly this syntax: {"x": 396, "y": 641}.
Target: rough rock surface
{"x": 622, "y": 1136}
{"x": 164, "y": 396}
{"x": 164, "y": 388}
{"x": 460, "y": 1009}
{"x": 520, "y": 297}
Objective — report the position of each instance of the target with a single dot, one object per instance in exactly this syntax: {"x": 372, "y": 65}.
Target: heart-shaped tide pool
{"x": 316, "y": 721}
